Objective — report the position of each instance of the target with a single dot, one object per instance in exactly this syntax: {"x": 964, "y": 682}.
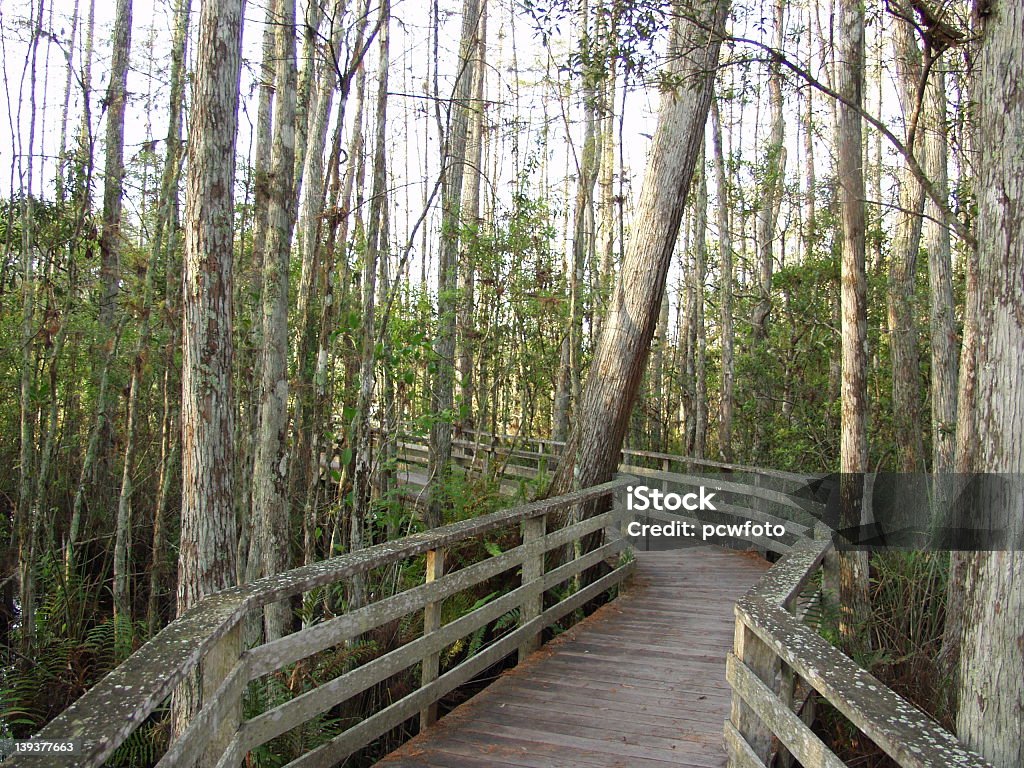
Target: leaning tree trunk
{"x": 206, "y": 560}
{"x": 592, "y": 452}
{"x": 991, "y": 715}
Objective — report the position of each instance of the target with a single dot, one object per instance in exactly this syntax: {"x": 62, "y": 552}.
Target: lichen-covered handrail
{"x": 109, "y": 711}
{"x": 904, "y": 732}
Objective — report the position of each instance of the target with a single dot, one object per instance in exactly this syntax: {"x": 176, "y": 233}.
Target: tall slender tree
{"x": 991, "y": 716}
{"x": 725, "y": 279}
{"x": 269, "y": 548}
{"x": 906, "y": 384}
{"x": 852, "y": 566}
{"x": 376, "y": 249}
{"x": 944, "y": 362}
{"x": 471, "y": 217}
{"x": 453, "y": 160}
{"x": 206, "y": 561}
{"x": 113, "y": 182}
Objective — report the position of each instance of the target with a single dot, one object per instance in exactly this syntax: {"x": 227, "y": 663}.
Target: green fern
{"x": 144, "y": 745}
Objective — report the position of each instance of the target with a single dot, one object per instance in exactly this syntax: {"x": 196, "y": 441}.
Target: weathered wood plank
{"x": 221, "y": 707}
{"x": 788, "y": 577}
{"x": 740, "y": 753}
{"x": 776, "y": 714}
{"x": 104, "y": 717}
{"x": 533, "y": 572}
{"x": 431, "y": 623}
{"x": 293, "y": 713}
{"x": 902, "y": 730}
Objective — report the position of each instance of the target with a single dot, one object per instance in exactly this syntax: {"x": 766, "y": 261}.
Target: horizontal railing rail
{"x": 208, "y": 636}
{"x": 519, "y": 457}
{"x": 780, "y": 663}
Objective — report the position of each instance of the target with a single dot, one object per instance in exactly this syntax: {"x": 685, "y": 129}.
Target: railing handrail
{"x": 103, "y": 717}
{"x": 774, "y": 649}
{"x": 794, "y": 477}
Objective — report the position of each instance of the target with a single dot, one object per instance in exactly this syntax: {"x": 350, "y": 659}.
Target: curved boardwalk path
{"x": 641, "y": 682}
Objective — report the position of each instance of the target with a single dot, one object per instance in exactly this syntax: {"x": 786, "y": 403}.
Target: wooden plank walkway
{"x": 639, "y": 683}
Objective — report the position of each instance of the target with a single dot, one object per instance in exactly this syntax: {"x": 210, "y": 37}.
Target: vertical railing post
{"x": 217, "y": 664}
{"x": 760, "y": 659}
{"x": 431, "y": 623}
{"x": 759, "y": 505}
{"x": 534, "y": 530}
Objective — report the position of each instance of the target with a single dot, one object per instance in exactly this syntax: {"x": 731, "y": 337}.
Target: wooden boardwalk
{"x": 641, "y": 682}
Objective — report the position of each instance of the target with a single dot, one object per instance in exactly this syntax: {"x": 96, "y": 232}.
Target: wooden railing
{"x": 208, "y": 637}
{"x": 516, "y": 457}
{"x": 780, "y": 663}
{"x": 778, "y": 667}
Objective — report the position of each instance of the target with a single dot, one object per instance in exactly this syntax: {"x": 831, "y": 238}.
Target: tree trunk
{"x": 110, "y": 277}
{"x": 113, "y": 168}
{"x": 269, "y": 550}
{"x": 206, "y": 561}
{"x": 583, "y": 234}
{"x": 770, "y": 194}
{"x": 249, "y": 353}
{"x": 906, "y": 385}
{"x": 309, "y": 84}
{"x": 471, "y": 216}
{"x": 606, "y": 183}
{"x": 24, "y": 526}
{"x": 991, "y": 718}
{"x": 726, "y": 281}
{"x": 656, "y": 421}
{"x": 376, "y": 246}
{"x": 810, "y": 198}
{"x": 453, "y": 160}
{"x": 940, "y": 281}
{"x": 163, "y": 232}
{"x": 168, "y": 223}
{"x": 592, "y": 453}
{"x": 852, "y": 566}
{"x": 311, "y": 365}
{"x": 699, "y": 276}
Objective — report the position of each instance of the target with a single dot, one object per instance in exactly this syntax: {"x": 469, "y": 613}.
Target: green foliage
{"x": 72, "y": 649}
{"x": 908, "y": 591}
{"x": 145, "y": 744}
{"x": 623, "y": 32}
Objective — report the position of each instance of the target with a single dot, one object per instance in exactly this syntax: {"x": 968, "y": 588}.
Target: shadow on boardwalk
{"x": 641, "y": 682}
